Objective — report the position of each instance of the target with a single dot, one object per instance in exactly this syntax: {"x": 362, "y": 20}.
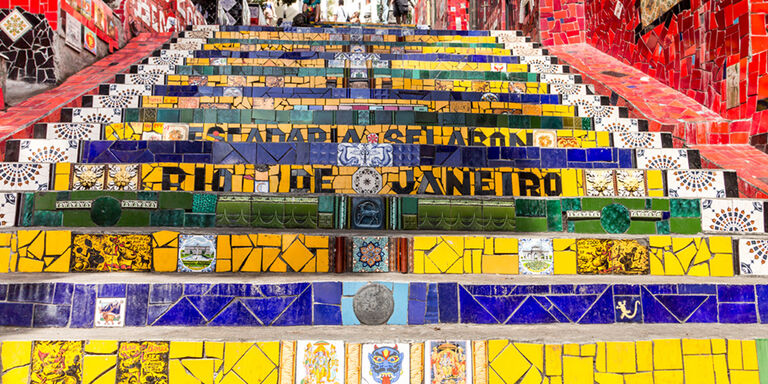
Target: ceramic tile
{"x": 114, "y": 102}
{"x": 536, "y": 256}
{"x": 319, "y": 362}
{"x": 197, "y": 253}
{"x": 753, "y": 256}
{"x": 24, "y": 176}
{"x": 617, "y": 125}
{"x": 8, "y": 208}
{"x": 366, "y": 181}
{"x": 662, "y": 159}
{"x": 73, "y": 131}
{"x": 141, "y": 361}
{"x": 15, "y": 25}
{"x": 130, "y": 90}
{"x": 732, "y": 216}
{"x": 600, "y": 182}
{"x": 110, "y": 312}
{"x": 97, "y": 115}
{"x": 47, "y": 151}
{"x": 385, "y": 363}
{"x": 56, "y": 361}
{"x": 365, "y": 155}
{"x": 93, "y": 253}
{"x": 448, "y": 361}
{"x": 696, "y": 184}
{"x": 370, "y": 254}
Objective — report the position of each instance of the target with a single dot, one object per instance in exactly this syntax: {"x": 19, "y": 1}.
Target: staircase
{"x": 431, "y": 206}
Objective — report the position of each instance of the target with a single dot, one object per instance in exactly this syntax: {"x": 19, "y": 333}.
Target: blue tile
{"x": 562, "y": 289}
{"x": 529, "y": 289}
{"x": 235, "y": 314}
{"x": 299, "y": 312}
{"x": 209, "y": 306}
{"x": 400, "y": 313}
{"x": 448, "y": 302}
{"x": 4, "y": 291}
{"x": 418, "y": 291}
{"x": 741, "y": 313}
{"x": 586, "y": 289}
{"x": 416, "y": 312}
{"x": 762, "y": 301}
{"x": 697, "y": 289}
{"x": 136, "y": 305}
{"x": 290, "y": 289}
{"x": 62, "y": 293}
{"x": 471, "y": 311}
{"x": 112, "y": 290}
{"x": 735, "y": 293}
{"x": 681, "y": 306}
{"x": 500, "y": 307}
{"x": 626, "y": 289}
{"x": 327, "y": 314}
{"x": 602, "y": 312}
{"x": 17, "y": 315}
{"x": 664, "y": 289}
{"x": 182, "y": 313}
{"x": 573, "y": 306}
{"x": 654, "y": 311}
{"x": 431, "y": 316}
{"x": 531, "y": 312}
{"x": 268, "y": 309}
{"x": 599, "y": 154}
{"x": 706, "y": 313}
{"x": 196, "y": 289}
{"x": 31, "y": 292}
{"x": 553, "y": 158}
{"x": 327, "y": 292}
{"x": 51, "y": 316}
{"x": 165, "y": 293}
{"x": 84, "y": 306}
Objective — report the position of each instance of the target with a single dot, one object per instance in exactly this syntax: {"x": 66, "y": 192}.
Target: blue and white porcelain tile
{"x": 753, "y": 256}
{"x": 97, "y": 115}
{"x": 73, "y": 131}
{"x": 663, "y": 158}
{"x": 115, "y": 101}
{"x": 130, "y": 90}
{"x": 370, "y": 254}
{"x": 630, "y": 139}
{"x": 364, "y": 155}
{"x": 47, "y": 151}
{"x": 732, "y": 215}
{"x": 616, "y": 124}
{"x": 696, "y": 183}
{"x": 25, "y": 176}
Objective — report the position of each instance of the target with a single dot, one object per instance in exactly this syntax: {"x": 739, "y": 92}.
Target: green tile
{"x": 587, "y": 226}
{"x": 204, "y": 203}
{"x": 571, "y": 204}
{"x": 530, "y": 224}
{"x": 134, "y": 218}
{"x": 594, "y": 203}
{"x": 45, "y": 201}
{"x": 175, "y": 200}
{"x": 685, "y": 225}
{"x": 200, "y": 220}
{"x": 45, "y": 219}
{"x": 684, "y": 208}
{"x": 166, "y": 218}
{"x": 531, "y": 207}
{"x": 642, "y": 227}
{"x": 554, "y": 216}
{"x": 660, "y": 204}
{"x": 76, "y": 218}
{"x": 662, "y": 227}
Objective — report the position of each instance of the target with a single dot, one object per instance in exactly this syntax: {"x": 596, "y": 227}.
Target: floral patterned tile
{"x": 73, "y": 131}
{"x": 731, "y": 215}
{"x": 47, "y": 151}
{"x": 696, "y": 183}
{"x": 97, "y": 115}
{"x": 753, "y": 256}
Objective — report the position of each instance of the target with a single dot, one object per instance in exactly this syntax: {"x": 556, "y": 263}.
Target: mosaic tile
{"x": 536, "y": 256}
{"x": 110, "y": 312}
{"x": 15, "y": 25}
{"x": 197, "y": 253}
{"x": 370, "y": 254}
{"x": 47, "y": 151}
{"x": 142, "y": 361}
{"x": 448, "y": 361}
{"x": 73, "y": 131}
{"x": 385, "y": 363}
{"x": 699, "y": 183}
{"x": 111, "y": 253}
{"x": 753, "y": 255}
{"x": 56, "y": 361}
{"x": 24, "y": 176}
{"x": 319, "y": 362}
{"x": 97, "y": 115}
{"x": 612, "y": 257}
{"x": 663, "y": 159}
{"x": 732, "y": 216}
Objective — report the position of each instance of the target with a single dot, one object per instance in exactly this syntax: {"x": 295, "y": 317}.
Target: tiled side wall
{"x": 700, "y": 361}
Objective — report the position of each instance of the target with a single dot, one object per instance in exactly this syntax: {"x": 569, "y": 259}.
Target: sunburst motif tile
{"x": 47, "y": 151}
{"x": 15, "y": 25}
{"x": 696, "y": 183}
{"x": 726, "y": 215}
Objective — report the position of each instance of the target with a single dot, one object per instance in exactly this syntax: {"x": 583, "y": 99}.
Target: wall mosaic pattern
{"x": 27, "y": 43}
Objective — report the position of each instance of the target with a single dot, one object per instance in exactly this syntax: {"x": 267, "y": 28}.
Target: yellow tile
{"x": 15, "y": 354}
{"x": 639, "y": 378}
{"x": 745, "y": 377}
{"x": 608, "y": 378}
{"x": 200, "y": 369}
{"x": 620, "y": 357}
{"x": 577, "y": 370}
{"x": 721, "y": 265}
{"x": 721, "y": 369}
{"x": 588, "y": 350}
{"x": 696, "y": 347}
{"x": 644, "y": 355}
{"x": 16, "y": 375}
{"x": 600, "y": 357}
{"x": 698, "y": 369}
{"x": 553, "y": 360}
{"x": 718, "y": 346}
{"x": 668, "y": 377}
{"x": 571, "y": 349}
{"x": 101, "y": 347}
{"x": 667, "y": 354}
{"x": 495, "y": 346}
{"x": 734, "y": 354}
{"x": 183, "y": 349}
{"x": 533, "y": 352}
{"x": 164, "y": 260}
{"x": 102, "y": 367}
{"x": 510, "y": 365}
{"x": 501, "y": 264}
{"x": 749, "y": 354}
{"x": 720, "y": 244}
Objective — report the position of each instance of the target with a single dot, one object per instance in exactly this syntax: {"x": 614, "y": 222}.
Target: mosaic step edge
{"x": 673, "y": 361}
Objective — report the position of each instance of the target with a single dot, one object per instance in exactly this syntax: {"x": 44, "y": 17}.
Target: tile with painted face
{"x": 385, "y": 363}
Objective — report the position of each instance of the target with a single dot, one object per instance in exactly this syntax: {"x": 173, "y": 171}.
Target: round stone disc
{"x": 373, "y": 304}
{"x": 106, "y": 211}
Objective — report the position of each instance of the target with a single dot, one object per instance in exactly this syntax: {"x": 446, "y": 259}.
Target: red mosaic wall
{"x": 159, "y": 15}
{"x": 456, "y": 17}
{"x": 562, "y": 21}
{"x": 50, "y": 8}
{"x": 490, "y": 14}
